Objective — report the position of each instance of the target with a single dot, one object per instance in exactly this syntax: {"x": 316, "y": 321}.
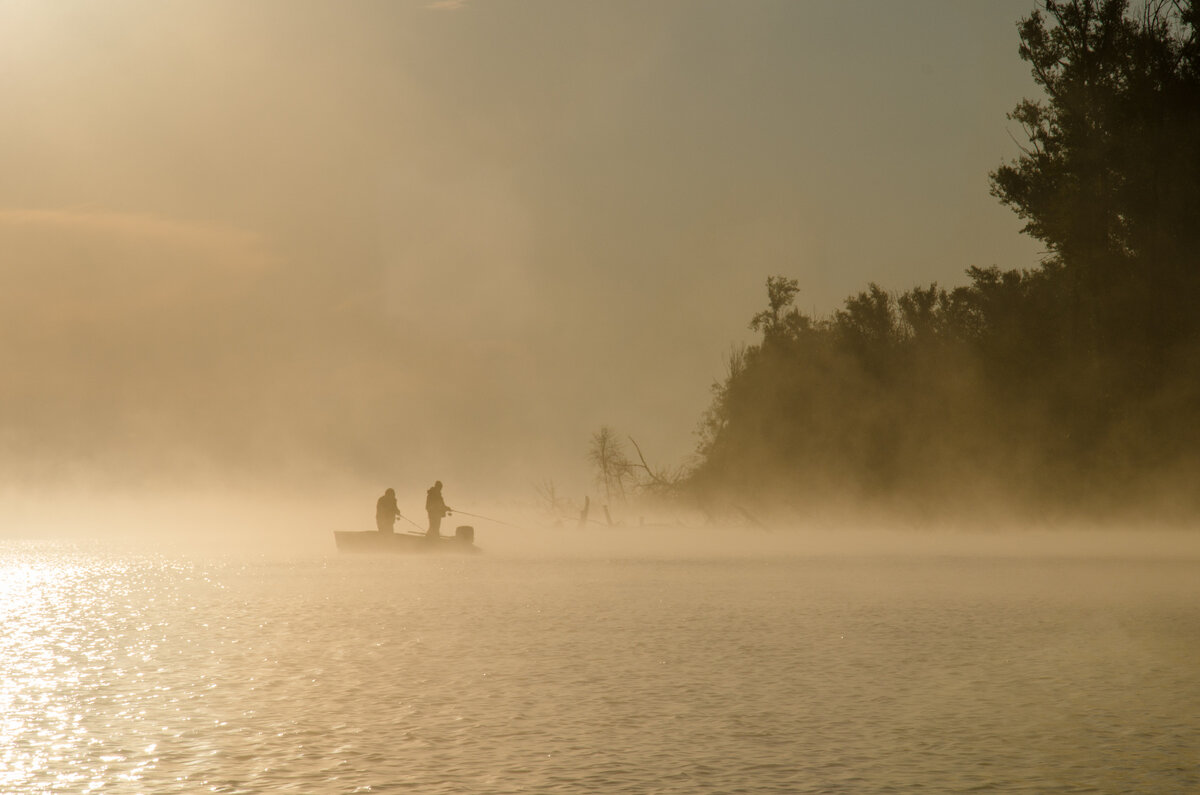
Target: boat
{"x": 462, "y": 542}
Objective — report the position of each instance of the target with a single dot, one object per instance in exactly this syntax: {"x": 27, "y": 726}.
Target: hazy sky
{"x": 399, "y": 241}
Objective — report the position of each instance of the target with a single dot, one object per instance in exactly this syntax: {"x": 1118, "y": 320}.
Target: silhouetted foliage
{"x": 1072, "y": 384}
{"x": 612, "y": 466}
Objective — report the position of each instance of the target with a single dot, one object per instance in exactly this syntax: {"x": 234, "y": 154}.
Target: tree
{"x": 612, "y": 465}
{"x": 1074, "y": 383}
{"x": 1110, "y": 179}
{"x": 780, "y": 321}
{"x": 1065, "y": 184}
{"x": 869, "y": 328}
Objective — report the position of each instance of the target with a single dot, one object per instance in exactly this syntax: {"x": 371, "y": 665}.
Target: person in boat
{"x": 436, "y": 507}
{"x": 387, "y": 512}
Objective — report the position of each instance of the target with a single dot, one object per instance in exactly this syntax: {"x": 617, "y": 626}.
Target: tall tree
{"x": 1110, "y": 179}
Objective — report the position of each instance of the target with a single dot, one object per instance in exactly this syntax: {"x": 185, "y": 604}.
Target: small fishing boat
{"x": 462, "y": 542}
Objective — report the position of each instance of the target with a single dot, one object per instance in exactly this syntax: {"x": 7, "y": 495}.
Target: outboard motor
{"x": 464, "y": 534}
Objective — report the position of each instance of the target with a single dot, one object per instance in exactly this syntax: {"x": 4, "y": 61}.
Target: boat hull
{"x": 401, "y": 543}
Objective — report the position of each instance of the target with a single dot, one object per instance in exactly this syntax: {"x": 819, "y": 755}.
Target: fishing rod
{"x": 485, "y": 518}
{"x": 414, "y": 524}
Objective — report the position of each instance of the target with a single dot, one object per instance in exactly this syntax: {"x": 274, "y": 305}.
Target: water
{"x": 127, "y": 671}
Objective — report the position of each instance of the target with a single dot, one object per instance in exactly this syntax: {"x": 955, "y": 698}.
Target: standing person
{"x": 436, "y": 507}
{"x": 387, "y": 512}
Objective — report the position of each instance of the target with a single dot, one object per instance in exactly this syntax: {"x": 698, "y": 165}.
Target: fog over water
{"x": 261, "y": 261}
{"x": 288, "y": 245}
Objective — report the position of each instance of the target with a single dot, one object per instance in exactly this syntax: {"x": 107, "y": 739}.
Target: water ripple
{"x": 126, "y": 672}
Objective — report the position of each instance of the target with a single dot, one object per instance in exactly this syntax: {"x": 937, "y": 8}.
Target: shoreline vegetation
{"x": 1070, "y": 389}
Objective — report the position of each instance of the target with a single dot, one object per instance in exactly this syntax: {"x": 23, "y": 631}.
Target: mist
{"x": 270, "y": 260}
{"x": 284, "y": 245}
{"x": 919, "y": 516}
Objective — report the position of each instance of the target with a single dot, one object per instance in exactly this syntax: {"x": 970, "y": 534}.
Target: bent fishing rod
{"x": 464, "y": 513}
{"x": 485, "y": 518}
{"x": 411, "y": 522}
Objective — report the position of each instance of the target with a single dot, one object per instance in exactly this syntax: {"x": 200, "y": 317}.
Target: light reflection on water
{"x": 128, "y": 672}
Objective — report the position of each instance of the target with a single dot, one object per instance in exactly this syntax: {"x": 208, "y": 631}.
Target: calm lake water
{"x": 128, "y": 671}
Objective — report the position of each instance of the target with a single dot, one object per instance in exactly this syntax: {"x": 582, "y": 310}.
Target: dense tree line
{"x": 1071, "y": 385}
